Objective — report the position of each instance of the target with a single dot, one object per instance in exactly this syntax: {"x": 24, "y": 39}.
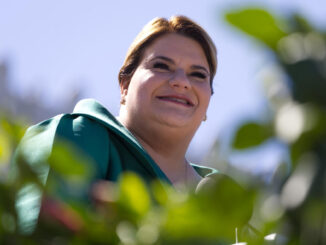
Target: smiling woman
{"x": 167, "y": 98}
{"x": 166, "y": 85}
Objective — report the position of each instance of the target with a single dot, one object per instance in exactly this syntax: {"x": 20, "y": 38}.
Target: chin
{"x": 176, "y": 121}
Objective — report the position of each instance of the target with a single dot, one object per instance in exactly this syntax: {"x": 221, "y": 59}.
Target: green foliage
{"x": 126, "y": 212}
{"x": 299, "y": 122}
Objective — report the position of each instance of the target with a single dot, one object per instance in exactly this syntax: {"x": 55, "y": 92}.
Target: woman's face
{"x": 171, "y": 85}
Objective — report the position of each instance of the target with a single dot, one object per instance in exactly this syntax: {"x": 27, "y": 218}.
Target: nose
{"x": 180, "y": 80}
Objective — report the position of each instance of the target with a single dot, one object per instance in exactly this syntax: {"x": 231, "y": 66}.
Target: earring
{"x": 205, "y": 118}
{"x": 122, "y": 101}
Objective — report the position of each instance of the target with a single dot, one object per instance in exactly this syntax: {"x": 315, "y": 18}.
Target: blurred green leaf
{"x": 258, "y": 23}
{"x": 212, "y": 215}
{"x": 134, "y": 194}
{"x": 24, "y": 174}
{"x": 10, "y": 134}
{"x": 160, "y": 192}
{"x": 299, "y": 23}
{"x": 311, "y": 139}
{"x": 308, "y": 81}
{"x": 69, "y": 162}
{"x": 252, "y": 134}
{"x": 14, "y": 129}
{"x": 5, "y": 149}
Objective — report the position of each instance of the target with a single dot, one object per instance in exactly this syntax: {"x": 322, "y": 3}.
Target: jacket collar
{"x": 94, "y": 110}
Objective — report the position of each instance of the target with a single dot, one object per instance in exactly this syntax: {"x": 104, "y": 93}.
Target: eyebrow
{"x": 171, "y": 61}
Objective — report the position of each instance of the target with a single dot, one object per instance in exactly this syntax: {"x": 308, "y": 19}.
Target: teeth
{"x": 179, "y": 100}
{"x": 183, "y": 101}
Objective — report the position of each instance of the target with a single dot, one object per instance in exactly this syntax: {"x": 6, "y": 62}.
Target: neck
{"x": 167, "y": 146}
{"x": 168, "y": 149}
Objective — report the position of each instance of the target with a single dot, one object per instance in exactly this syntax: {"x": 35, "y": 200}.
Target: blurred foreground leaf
{"x": 70, "y": 162}
{"x": 309, "y": 81}
{"x": 134, "y": 194}
{"x": 5, "y": 149}
{"x": 259, "y": 24}
{"x": 251, "y": 134}
{"x": 212, "y": 215}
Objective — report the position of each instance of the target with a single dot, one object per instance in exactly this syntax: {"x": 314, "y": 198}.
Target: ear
{"x": 124, "y": 85}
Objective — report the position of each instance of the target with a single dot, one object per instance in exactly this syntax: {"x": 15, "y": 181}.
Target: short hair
{"x": 159, "y": 27}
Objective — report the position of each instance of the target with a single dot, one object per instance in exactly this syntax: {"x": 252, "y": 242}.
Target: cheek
{"x": 147, "y": 80}
{"x": 140, "y": 87}
{"x": 205, "y": 95}
{"x": 206, "y": 103}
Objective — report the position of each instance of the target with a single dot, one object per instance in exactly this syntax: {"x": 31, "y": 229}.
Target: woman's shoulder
{"x": 88, "y": 116}
{"x": 81, "y": 128}
{"x": 91, "y": 108}
{"x": 86, "y": 113}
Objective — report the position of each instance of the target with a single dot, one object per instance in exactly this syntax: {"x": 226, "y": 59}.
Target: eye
{"x": 160, "y": 65}
{"x": 198, "y": 75}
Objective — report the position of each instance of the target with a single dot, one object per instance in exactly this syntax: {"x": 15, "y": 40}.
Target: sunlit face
{"x": 171, "y": 85}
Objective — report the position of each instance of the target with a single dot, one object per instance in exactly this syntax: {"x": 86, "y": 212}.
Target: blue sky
{"x": 55, "y": 45}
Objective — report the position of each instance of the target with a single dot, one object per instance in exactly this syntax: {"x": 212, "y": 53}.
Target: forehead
{"x": 177, "y": 47}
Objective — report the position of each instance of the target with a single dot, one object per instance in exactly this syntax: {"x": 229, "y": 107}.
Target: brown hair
{"x": 158, "y": 27}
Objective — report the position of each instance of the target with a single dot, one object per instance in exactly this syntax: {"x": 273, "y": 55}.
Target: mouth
{"x": 177, "y": 99}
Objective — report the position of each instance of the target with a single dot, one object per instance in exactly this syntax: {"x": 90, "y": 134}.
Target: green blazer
{"x": 100, "y": 137}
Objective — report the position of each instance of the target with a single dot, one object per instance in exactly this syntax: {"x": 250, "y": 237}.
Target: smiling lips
{"x": 177, "y": 99}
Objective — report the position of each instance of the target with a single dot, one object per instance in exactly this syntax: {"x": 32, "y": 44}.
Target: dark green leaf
{"x": 308, "y": 81}
{"x": 251, "y": 134}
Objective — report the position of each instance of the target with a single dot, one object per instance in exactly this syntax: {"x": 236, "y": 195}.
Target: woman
{"x": 166, "y": 84}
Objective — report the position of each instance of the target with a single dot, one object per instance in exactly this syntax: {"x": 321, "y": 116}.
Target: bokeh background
{"x": 266, "y": 125}
{"x": 53, "y": 53}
